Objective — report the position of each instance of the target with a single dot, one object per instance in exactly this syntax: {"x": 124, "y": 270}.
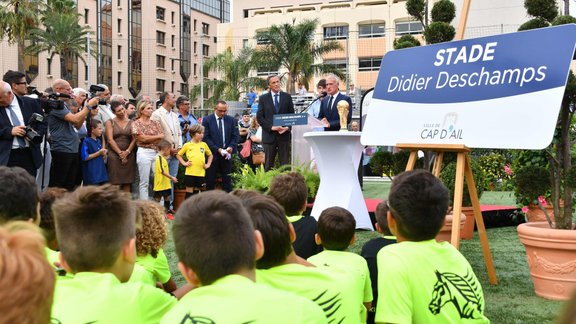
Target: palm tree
{"x": 62, "y": 36}
{"x": 292, "y": 47}
{"x": 17, "y": 18}
{"x": 233, "y": 78}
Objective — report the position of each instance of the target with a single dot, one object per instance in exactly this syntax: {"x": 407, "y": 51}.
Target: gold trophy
{"x": 343, "y": 108}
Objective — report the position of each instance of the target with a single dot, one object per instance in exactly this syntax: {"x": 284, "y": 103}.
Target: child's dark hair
{"x": 94, "y": 123}
{"x": 214, "y": 236}
{"x": 268, "y": 217}
{"x": 18, "y": 194}
{"x": 92, "y": 225}
{"x": 290, "y": 191}
{"x": 195, "y": 129}
{"x": 336, "y": 227}
{"x": 418, "y": 201}
{"x": 163, "y": 144}
{"x": 381, "y": 213}
{"x": 47, "y": 199}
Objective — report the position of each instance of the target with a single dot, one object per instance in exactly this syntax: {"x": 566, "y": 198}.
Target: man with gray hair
{"x": 15, "y": 115}
{"x": 104, "y": 111}
{"x": 328, "y": 108}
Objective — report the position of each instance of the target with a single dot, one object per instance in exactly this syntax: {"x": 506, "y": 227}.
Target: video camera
{"x": 50, "y": 102}
{"x": 93, "y": 92}
{"x": 31, "y": 133}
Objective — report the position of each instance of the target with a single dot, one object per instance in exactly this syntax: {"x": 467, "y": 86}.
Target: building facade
{"x": 142, "y": 46}
{"x": 366, "y": 29}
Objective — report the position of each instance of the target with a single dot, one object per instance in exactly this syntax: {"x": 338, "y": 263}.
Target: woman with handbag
{"x": 256, "y": 148}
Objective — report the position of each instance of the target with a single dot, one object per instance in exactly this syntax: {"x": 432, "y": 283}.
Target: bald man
{"x": 65, "y": 142}
{"x": 15, "y": 114}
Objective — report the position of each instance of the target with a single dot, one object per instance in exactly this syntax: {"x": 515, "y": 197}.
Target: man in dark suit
{"x": 275, "y": 139}
{"x": 328, "y": 108}
{"x": 221, "y": 135}
{"x": 15, "y": 114}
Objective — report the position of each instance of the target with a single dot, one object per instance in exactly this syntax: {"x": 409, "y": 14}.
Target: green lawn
{"x": 511, "y": 301}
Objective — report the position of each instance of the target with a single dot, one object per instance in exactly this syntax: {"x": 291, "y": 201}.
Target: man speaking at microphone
{"x": 328, "y": 109}
{"x": 64, "y": 141}
{"x": 314, "y": 109}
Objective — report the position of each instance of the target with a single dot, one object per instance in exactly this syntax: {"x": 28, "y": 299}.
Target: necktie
{"x": 16, "y": 122}
{"x": 330, "y": 104}
{"x": 221, "y": 130}
{"x": 276, "y": 103}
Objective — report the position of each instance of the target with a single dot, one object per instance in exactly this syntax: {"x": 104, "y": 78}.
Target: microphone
{"x": 62, "y": 95}
{"x": 323, "y": 94}
{"x": 320, "y": 96}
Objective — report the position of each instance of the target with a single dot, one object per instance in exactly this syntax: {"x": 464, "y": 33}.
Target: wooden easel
{"x": 463, "y": 170}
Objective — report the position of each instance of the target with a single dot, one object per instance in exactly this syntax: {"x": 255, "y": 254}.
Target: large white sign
{"x": 501, "y": 91}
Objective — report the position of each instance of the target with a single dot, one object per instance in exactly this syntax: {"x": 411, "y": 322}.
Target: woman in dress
{"x": 147, "y": 133}
{"x": 255, "y": 135}
{"x": 121, "y": 143}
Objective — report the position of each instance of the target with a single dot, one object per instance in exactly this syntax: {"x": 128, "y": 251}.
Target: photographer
{"x": 185, "y": 117}
{"x": 64, "y": 141}
{"x": 20, "y": 130}
{"x": 104, "y": 111}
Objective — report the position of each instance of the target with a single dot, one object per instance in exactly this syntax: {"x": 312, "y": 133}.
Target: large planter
{"x": 179, "y": 197}
{"x": 445, "y": 233}
{"x": 467, "y": 232}
{"x": 551, "y": 255}
{"x": 535, "y": 214}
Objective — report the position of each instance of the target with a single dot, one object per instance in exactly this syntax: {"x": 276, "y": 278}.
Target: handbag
{"x": 257, "y": 158}
{"x": 246, "y": 147}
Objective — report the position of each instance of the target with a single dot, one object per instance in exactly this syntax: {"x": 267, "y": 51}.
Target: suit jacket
{"x": 265, "y": 116}
{"x": 170, "y": 125}
{"x": 332, "y": 116}
{"x": 213, "y": 137}
{"x": 28, "y": 107}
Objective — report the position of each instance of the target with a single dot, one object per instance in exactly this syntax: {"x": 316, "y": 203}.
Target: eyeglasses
{"x": 21, "y": 82}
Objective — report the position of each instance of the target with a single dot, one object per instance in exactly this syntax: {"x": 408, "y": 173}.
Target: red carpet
{"x": 372, "y": 203}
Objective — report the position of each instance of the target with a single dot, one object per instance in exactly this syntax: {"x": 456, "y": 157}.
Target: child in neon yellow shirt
{"x": 196, "y": 165}
{"x": 162, "y": 177}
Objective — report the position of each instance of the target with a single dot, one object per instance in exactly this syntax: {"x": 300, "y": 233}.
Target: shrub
{"x": 448, "y": 177}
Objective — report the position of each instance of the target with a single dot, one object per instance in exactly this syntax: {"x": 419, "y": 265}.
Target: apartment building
{"x": 142, "y": 46}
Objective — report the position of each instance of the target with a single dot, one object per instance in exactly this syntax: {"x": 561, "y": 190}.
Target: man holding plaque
{"x": 275, "y": 139}
{"x": 329, "y": 106}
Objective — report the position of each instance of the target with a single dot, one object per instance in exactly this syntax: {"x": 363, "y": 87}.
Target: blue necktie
{"x": 276, "y": 103}
{"x": 330, "y": 104}
{"x": 220, "y": 127}
{"x": 16, "y": 122}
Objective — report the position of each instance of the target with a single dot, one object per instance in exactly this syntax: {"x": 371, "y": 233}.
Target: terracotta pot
{"x": 535, "y": 214}
{"x": 467, "y": 233}
{"x": 446, "y": 230}
{"x": 551, "y": 255}
{"x": 179, "y": 197}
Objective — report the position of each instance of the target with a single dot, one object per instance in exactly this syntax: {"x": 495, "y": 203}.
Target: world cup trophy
{"x": 343, "y": 108}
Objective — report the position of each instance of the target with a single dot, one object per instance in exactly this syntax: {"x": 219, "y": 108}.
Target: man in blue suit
{"x": 328, "y": 108}
{"x": 15, "y": 113}
{"x": 276, "y": 139}
{"x": 221, "y": 135}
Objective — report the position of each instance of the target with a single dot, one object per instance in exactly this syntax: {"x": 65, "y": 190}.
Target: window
{"x": 266, "y": 71}
{"x": 86, "y": 11}
{"x": 119, "y": 54}
{"x": 205, "y": 28}
{"x": 244, "y": 43}
{"x": 373, "y": 30}
{"x": 409, "y": 28}
{"x": 336, "y": 32}
{"x": 262, "y": 40}
{"x": 160, "y": 84}
{"x": 160, "y": 37}
{"x": 245, "y": 13}
{"x": 119, "y": 25}
{"x": 160, "y": 12}
{"x": 369, "y": 64}
{"x": 194, "y": 24}
{"x": 119, "y": 3}
{"x": 195, "y": 68}
{"x": 195, "y": 47}
{"x": 205, "y": 50}
{"x": 172, "y": 64}
{"x": 86, "y": 72}
{"x": 172, "y": 86}
{"x": 161, "y": 61}
{"x": 339, "y": 64}
{"x": 172, "y": 17}
{"x": 215, "y": 39}
{"x": 119, "y": 80}
{"x": 173, "y": 41}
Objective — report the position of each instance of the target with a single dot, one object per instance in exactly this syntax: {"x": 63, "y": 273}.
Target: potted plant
{"x": 179, "y": 187}
{"x": 551, "y": 251}
{"x": 532, "y": 193}
{"x": 448, "y": 177}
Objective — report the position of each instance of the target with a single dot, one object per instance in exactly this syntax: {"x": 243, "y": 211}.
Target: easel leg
{"x": 480, "y": 224}
{"x": 412, "y": 160}
{"x": 438, "y": 164}
{"x": 457, "y": 205}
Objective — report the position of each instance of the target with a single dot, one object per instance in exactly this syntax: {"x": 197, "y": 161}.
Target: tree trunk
{"x": 565, "y": 222}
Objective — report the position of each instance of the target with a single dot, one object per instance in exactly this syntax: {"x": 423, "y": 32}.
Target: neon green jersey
{"x": 427, "y": 282}
{"x": 100, "y": 298}
{"x": 196, "y": 154}
{"x": 157, "y": 267}
{"x": 139, "y": 274}
{"x": 53, "y": 257}
{"x": 353, "y": 270}
{"x": 237, "y": 299}
{"x": 316, "y": 284}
